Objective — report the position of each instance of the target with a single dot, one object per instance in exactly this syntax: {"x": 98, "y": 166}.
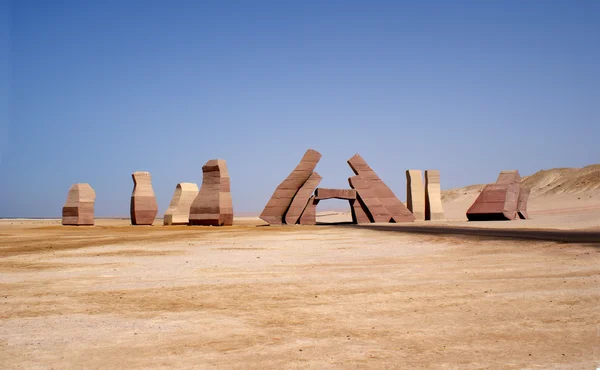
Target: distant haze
{"x": 91, "y": 91}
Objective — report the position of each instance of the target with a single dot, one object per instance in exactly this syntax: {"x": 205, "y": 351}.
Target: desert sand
{"x": 324, "y": 296}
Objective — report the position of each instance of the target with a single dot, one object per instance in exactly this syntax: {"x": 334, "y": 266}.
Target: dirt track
{"x": 309, "y": 297}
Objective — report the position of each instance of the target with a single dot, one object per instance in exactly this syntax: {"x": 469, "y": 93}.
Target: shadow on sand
{"x": 565, "y": 236}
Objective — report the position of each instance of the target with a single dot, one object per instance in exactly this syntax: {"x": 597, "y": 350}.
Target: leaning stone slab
{"x": 397, "y": 209}
{"x": 434, "y": 210}
{"x": 301, "y": 199}
{"x": 280, "y": 201}
{"x": 368, "y": 196}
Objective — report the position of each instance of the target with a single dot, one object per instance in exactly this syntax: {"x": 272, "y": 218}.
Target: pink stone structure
{"x": 295, "y": 199}
{"x": 178, "y": 212}
{"x": 213, "y": 205}
{"x": 281, "y": 199}
{"x": 415, "y": 194}
{"x": 502, "y": 200}
{"x": 434, "y": 209}
{"x": 301, "y": 199}
{"x": 367, "y": 195}
{"x": 369, "y": 179}
{"x": 79, "y": 207}
{"x": 143, "y": 207}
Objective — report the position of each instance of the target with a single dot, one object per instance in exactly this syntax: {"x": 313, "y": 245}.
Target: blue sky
{"x": 94, "y": 90}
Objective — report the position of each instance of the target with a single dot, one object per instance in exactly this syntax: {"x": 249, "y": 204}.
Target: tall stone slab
{"x": 309, "y": 215}
{"x": 178, "y": 212}
{"x": 366, "y": 194}
{"x": 301, "y": 199}
{"x": 397, "y": 210}
{"x": 143, "y": 206}
{"x": 415, "y": 194}
{"x": 434, "y": 209}
{"x": 280, "y": 201}
{"x": 79, "y": 207}
{"x": 213, "y": 205}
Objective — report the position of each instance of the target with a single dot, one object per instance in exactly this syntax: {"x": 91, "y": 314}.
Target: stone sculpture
{"x": 213, "y": 205}
{"x": 434, "y": 210}
{"x": 396, "y": 209}
{"x": 301, "y": 199}
{"x": 500, "y": 201}
{"x": 282, "y": 197}
{"x": 79, "y": 207}
{"x": 178, "y": 212}
{"x": 367, "y": 195}
{"x": 370, "y": 198}
{"x": 415, "y": 194}
{"x": 143, "y": 207}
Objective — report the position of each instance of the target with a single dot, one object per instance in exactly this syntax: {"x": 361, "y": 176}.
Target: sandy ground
{"x": 318, "y": 297}
{"x": 117, "y": 296}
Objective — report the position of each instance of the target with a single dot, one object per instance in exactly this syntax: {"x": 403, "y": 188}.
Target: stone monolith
{"x": 415, "y": 194}
{"x": 143, "y": 206}
{"x": 79, "y": 207}
{"x": 213, "y": 205}
{"x": 434, "y": 209}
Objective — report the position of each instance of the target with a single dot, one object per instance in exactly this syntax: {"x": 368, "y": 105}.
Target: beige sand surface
{"x": 118, "y": 296}
{"x": 317, "y": 297}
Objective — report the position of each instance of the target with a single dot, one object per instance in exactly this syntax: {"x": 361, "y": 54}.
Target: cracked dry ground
{"x": 292, "y": 297}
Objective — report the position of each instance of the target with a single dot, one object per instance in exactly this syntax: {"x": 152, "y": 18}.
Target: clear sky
{"x": 92, "y": 91}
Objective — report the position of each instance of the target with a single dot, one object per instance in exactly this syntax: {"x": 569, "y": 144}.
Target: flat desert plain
{"x": 324, "y": 296}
